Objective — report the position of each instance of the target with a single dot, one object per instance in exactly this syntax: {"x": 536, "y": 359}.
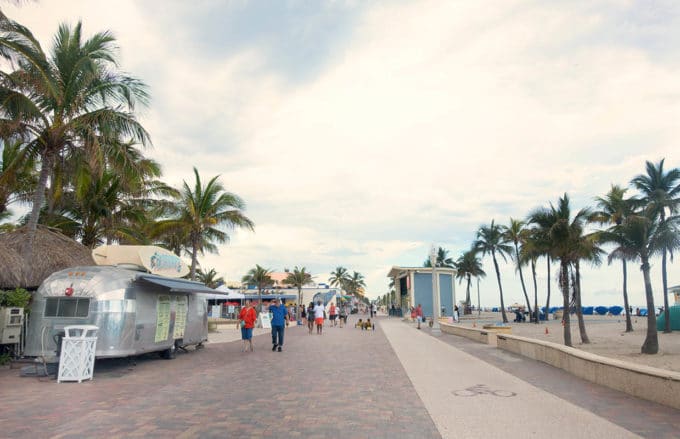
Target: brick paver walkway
{"x": 345, "y": 383}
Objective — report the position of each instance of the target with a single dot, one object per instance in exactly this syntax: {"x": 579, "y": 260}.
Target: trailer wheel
{"x": 170, "y": 353}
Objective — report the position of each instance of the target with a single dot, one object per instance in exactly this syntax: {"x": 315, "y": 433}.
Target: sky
{"x": 359, "y": 134}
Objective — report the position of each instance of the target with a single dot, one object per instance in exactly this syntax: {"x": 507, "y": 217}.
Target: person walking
{"x": 343, "y": 315}
{"x": 334, "y": 314}
{"x": 303, "y": 314}
{"x": 319, "y": 315}
{"x": 419, "y": 314}
{"x": 279, "y": 314}
{"x": 310, "y": 317}
{"x": 246, "y": 319}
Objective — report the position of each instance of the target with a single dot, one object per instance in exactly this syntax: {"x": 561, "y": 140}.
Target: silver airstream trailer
{"x": 136, "y": 311}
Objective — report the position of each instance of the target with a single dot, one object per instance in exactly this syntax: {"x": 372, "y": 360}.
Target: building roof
{"x": 399, "y": 272}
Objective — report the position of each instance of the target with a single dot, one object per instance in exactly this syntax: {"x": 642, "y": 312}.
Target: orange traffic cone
{"x": 546, "y": 331}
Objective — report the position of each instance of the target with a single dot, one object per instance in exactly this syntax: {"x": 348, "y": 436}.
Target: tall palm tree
{"x": 531, "y": 250}
{"x": 614, "y": 208}
{"x": 339, "y": 278}
{"x": 491, "y": 240}
{"x": 201, "y": 210}
{"x": 660, "y": 194}
{"x": 443, "y": 259}
{"x": 468, "y": 266}
{"x": 209, "y": 278}
{"x": 356, "y": 284}
{"x": 298, "y": 278}
{"x": 259, "y": 277}
{"x": 516, "y": 233}
{"x": 586, "y": 248}
{"x": 639, "y": 237}
{"x": 74, "y": 99}
{"x": 17, "y": 178}
{"x": 563, "y": 233}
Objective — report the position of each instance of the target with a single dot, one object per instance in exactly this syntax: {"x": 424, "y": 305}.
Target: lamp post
{"x": 436, "y": 330}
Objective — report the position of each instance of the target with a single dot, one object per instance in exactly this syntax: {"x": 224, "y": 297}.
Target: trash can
{"x": 76, "y": 362}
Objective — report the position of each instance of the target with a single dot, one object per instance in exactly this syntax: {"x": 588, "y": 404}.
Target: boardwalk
{"x": 394, "y": 382}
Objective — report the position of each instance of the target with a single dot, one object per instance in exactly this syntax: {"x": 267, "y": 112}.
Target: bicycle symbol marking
{"x": 483, "y": 389}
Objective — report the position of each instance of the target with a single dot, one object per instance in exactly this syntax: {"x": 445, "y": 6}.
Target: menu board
{"x": 265, "y": 320}
{"x": 181, "y": 307}
{"x": 162, "y": 318}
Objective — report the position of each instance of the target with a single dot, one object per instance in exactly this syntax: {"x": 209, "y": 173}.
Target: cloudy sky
{"x": 359, "y": 133}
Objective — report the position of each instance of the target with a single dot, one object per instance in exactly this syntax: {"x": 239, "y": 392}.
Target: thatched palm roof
{"x": 52, "y": 252}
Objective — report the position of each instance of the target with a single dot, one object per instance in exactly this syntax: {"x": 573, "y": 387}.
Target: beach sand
{"x": 607, "y": 337}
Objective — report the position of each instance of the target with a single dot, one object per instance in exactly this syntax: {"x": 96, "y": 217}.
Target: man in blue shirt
{"x": 279, "y": 319}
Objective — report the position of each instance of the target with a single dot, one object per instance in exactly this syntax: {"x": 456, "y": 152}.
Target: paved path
{"x": 395, "y": 382}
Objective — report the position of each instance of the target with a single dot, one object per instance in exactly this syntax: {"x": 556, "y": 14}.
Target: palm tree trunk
{"x": 500, "y": 287}
{"x": 651, "y": 344}
{"x": 547, "y": 300}
{"x": 629, "y": 324}
{"x": 521, "y": 278}
{"x": 666, "y": 311}
{"x": 533, "y": 274}
{"x": 38, "y": 200}
{"x": 579, "y": 308}
{"x": 467, "y": 294}
{"x": 564, "y": 285}
{"x": 194, "y": 259}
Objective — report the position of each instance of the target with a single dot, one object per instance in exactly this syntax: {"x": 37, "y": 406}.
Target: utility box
{"x": 11, "y": 319}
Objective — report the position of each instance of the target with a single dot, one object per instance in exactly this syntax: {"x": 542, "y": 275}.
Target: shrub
{"x": 18, "y": 297}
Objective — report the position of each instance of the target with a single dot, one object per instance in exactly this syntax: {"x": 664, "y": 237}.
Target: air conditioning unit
{"x": 11, "y": 320}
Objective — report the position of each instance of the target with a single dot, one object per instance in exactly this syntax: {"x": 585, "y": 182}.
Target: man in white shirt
{"x": 319, "y": 314}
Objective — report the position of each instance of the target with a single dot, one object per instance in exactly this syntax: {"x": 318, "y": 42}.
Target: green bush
{"x": 4, "y": 359}
{"x": 18, "y": 297}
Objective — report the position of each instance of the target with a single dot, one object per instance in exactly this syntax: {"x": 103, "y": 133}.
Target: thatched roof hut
{"x": 52, "y": 252}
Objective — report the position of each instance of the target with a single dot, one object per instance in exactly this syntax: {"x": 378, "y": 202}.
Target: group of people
{"x": 313, "y": 314}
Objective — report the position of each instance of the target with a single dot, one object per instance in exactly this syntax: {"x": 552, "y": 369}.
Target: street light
{"x": 436, "y": 330}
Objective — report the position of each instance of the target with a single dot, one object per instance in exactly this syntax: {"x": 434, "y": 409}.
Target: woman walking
{"x": 310, "y": 317}
{"x": 246, "y": 321}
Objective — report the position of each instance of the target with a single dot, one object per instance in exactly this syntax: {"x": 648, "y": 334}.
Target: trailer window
{"x": 66, "y": 307}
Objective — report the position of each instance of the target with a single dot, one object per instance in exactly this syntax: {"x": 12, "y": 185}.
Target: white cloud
{"x": 430, "y": 116}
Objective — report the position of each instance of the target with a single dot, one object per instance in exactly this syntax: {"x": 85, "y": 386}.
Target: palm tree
{"x": 614, "y": 208}
{"x": 531, "y": 250}
{"x": 298, "y": 278}
{"x": 586, "y": 248}
{"x": 17, "y": 178}
{"x": 639, "y": 237}
{"x": 563, "y": 233}
{"x": 443, "y": 259}
{"x": 467, "y": 266}
{"x": 209, "y": 278}
{"x": 201, "y": 211}
{"x": 259, "y": 277}
{"x": 356, "y": 284}
{"x": 660, "y": 193}
{"x": 491, "y": 240}
{"x": 516, "y": 233}
{"x": 339, "y": 278}
{"x": 74, "y": 99}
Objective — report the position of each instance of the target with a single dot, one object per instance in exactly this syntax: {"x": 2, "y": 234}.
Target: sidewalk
{"x": 441, "y": 374}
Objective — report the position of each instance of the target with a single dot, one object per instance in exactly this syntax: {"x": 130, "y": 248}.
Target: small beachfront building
{"x": 413, "y": 286}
